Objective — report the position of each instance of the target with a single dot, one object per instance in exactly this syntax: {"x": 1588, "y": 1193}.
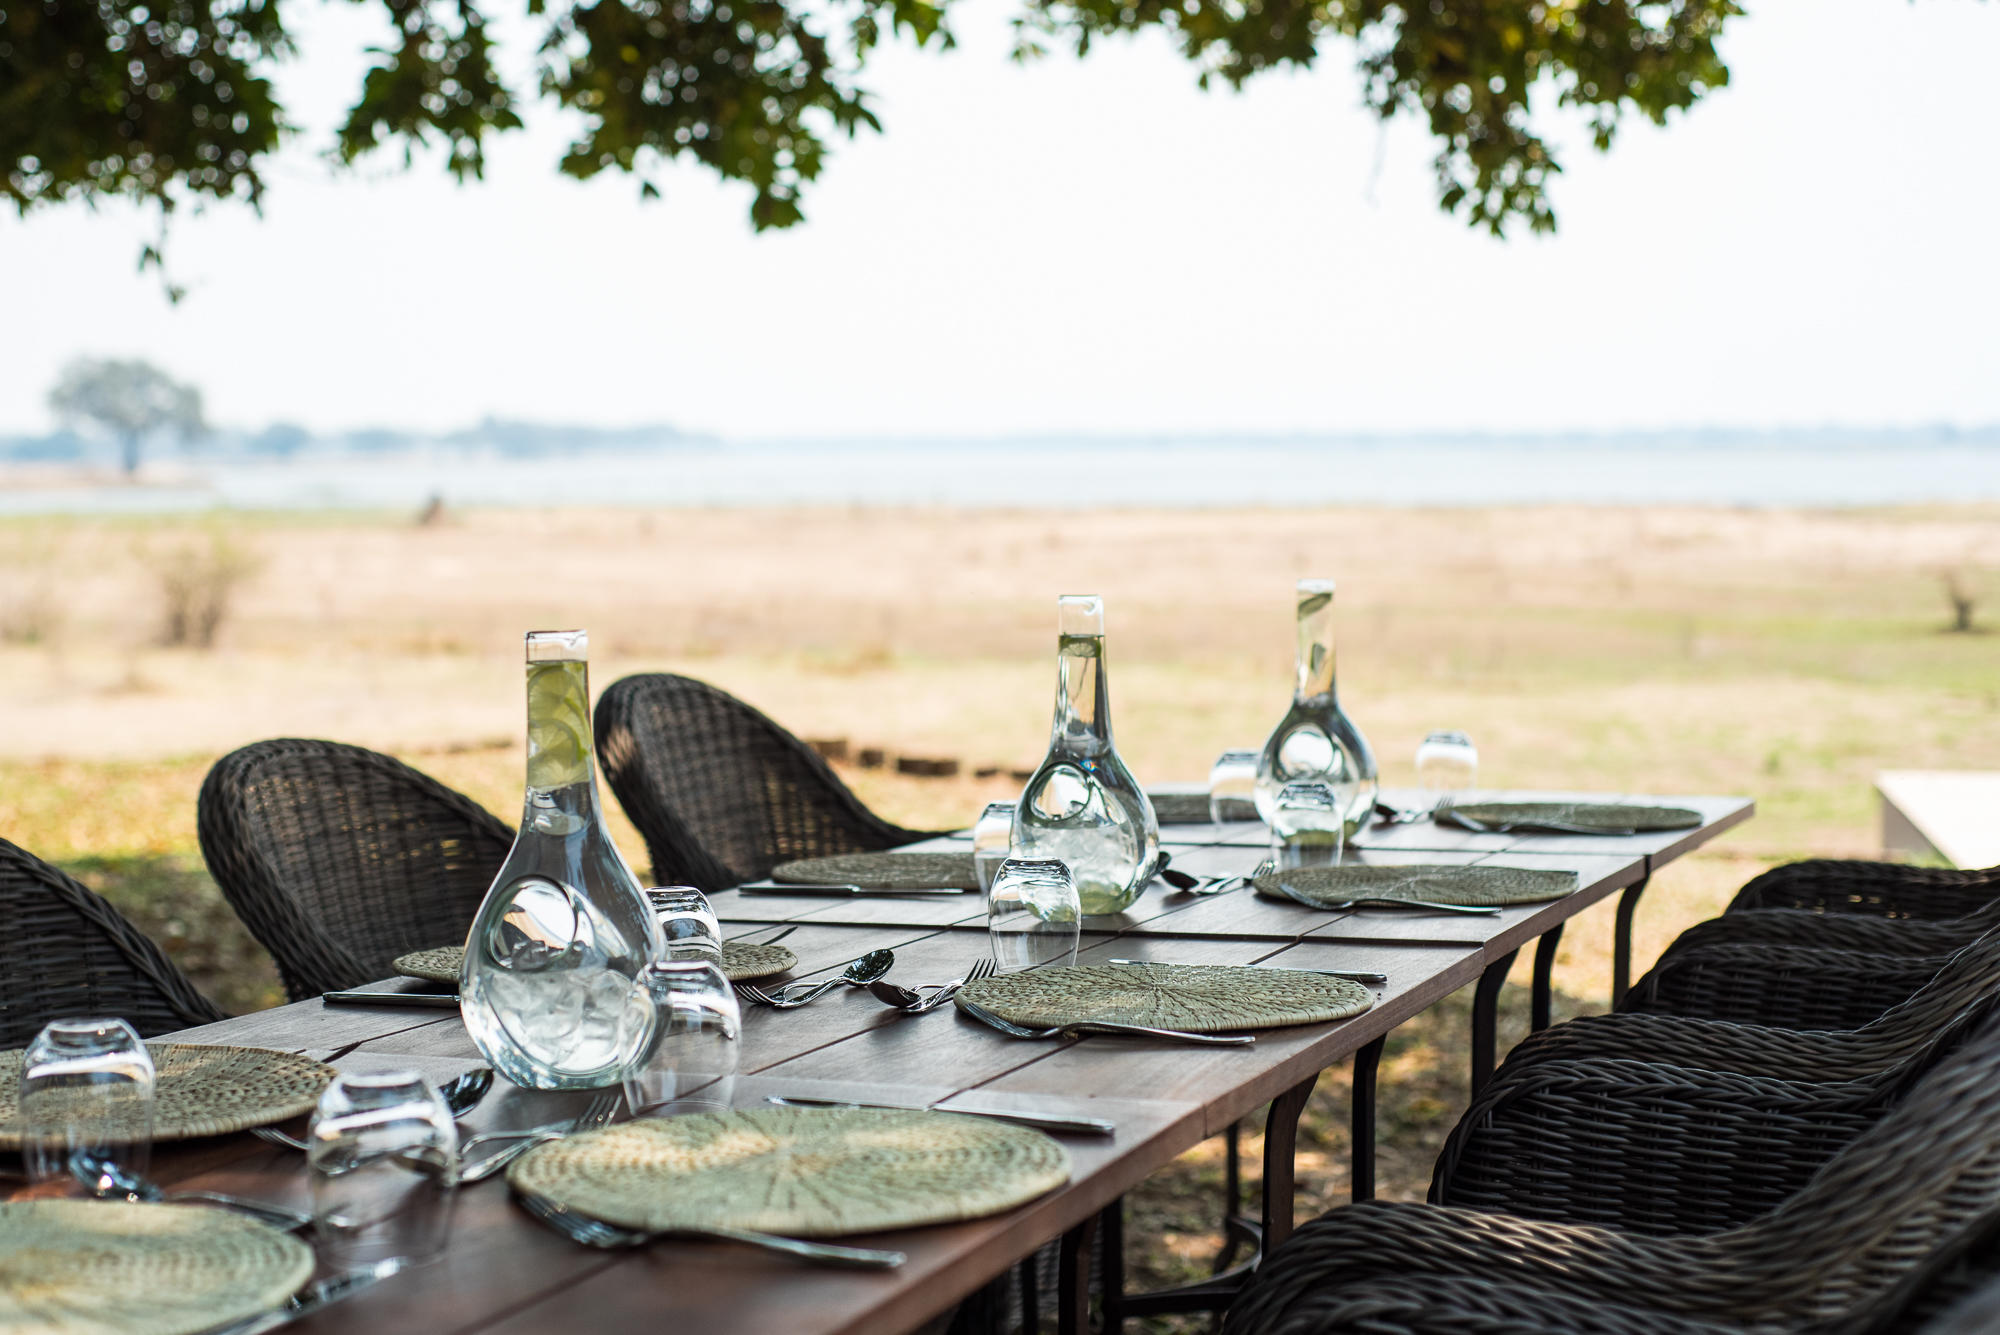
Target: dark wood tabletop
{"x": 504, "y": 1273}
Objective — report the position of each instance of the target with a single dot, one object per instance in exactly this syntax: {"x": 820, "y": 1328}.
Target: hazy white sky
{"x": 1098, "y": 246}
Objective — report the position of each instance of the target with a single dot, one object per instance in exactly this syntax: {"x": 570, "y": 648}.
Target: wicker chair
{"x": 1792, "y": 987}
{"x": 1839, "y": 1256}
{"x": 1875, "y": 889}
{"x": 75, "y": 955}
{"x": 720, "y": 793}
{"x": 339, "y": 859}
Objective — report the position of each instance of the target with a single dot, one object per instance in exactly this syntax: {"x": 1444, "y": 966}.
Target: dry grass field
{"x": 1787, "y": 655}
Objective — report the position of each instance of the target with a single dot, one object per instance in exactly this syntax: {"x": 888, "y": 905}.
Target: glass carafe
{"x": 1316, "y": 742}
{"x": 565, "y": 930}
{"x": 1083, "y": 806}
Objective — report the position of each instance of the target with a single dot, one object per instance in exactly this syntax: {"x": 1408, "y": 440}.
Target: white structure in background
{"x": 1953, "y": 815}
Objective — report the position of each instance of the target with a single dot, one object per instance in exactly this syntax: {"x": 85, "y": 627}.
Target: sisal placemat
{"x": 199, "y": 1090}
{"x": 101, "y": 1268}
{"x": 1192, "y": 808}
{"x": 741, "y": 961}
{"x": 1484, "y": 887}
{"x": 1612, "y": 818}
{"x": 1202, "y": 998}
{"x": 814, "y": 1173}
{"x": 883, "y": 871}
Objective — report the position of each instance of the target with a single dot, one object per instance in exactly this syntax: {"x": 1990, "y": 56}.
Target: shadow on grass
{"x": 1423, "y": 1087}
{"x": 171, "y": 898}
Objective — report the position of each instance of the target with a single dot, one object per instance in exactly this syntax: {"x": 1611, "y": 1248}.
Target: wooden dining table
{"x": 504, "y": 1274}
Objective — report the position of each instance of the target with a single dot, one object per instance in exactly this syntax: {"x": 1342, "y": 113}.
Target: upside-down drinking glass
{"x": 382, "y": 1151}
{"x": 1033, "y": 914}
{"x": 86, "y": 1097}
{"x": 687, "y": 923}
{"x": 1447, "y": 763}
{"x": 992, "y": 841}
{"x": 1232, "y": 786}
{"x": 1308, "y": 825}
{"x": 687, "y": 1058}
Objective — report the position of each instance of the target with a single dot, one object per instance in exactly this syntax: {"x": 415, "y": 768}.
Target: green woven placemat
{"x": 1611, "y": 818}
{"x": 814, "y": 1173}
{"x": 1486, "y": 887}
{"x": 199, "y": 1090}
{"x": 741, "y": 961}
{"x": 883, "y": 871}
{"x": 1203, "y": 998}
{"x": 1192, "y": 808}
{"x": 104, "y": 1268}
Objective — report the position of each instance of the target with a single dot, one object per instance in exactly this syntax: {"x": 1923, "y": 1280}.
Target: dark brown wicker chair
{"x": 72, "y": 954}
{"x": 1840, "y": 931}
{"x": 339, "y": 859}
{"x": 1839, "y": 1256}
{"x": 1791, "y": 987}
{"x": 720, "y": 793}
{"x": 1875, "y": 889}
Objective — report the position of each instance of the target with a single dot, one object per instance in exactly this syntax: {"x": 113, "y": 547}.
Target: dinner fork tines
{"x": 597, "y": 1113}
{"x": 579, "y": 1227}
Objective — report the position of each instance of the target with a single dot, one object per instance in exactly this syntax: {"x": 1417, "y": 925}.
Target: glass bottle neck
{"x": 1315, "y": 666}
{"x": 561, "y": 775}
{"x": 1083, "y": 707}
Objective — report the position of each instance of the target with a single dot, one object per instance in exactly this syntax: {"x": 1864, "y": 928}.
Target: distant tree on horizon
{"x": 169, "y": 103}
{"x": 128, "y": 400}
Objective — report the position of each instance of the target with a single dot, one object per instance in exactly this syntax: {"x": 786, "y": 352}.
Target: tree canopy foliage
{"x": 127, "y": 400}
{"x": 171, "y": 101}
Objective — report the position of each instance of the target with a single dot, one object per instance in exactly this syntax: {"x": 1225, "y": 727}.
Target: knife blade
{"x": 1082, "y": 1126}
{"x": 848, "y": 890}
{"x": 437, "y": 1000}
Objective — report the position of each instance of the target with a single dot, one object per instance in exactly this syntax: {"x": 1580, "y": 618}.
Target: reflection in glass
{"x": 1033, "y": 915}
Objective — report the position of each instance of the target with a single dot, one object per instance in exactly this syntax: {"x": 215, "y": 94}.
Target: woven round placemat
{"x": 437, "y": 966}
{"x": 1485, "y": 887}
{"x": 741, "y": 961}
{"x": 102, "y": 1268}
{"x": 1596, "y": 817}
{"x": 1203, "y": 998}
{"x": 199, "y": 1090}
{"x": 883, "y": 871}
{"x": 814, "y": 1173}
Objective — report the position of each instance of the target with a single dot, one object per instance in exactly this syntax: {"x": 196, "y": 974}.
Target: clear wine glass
{"x": 1033, "y": 914}
{"x": 1447, "y": 765}
{"x": 382, "y": 1153}
{"x": 86, "y": 1097}
{"x": 1232, "y": 786}
{"x": 992, "y": 841}
{"x": 1308, "y": 824}
{"x": 688, "y": 1056}
{"x": 687, "y": 923}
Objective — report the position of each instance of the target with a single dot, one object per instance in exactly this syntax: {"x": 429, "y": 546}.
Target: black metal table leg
{"x": 1361, "y": 1167}
{"x": 1621, "y": 943}
{"x": 1281, "y": 1138}
{"x": 1073, "y": 1280}
{"x": 1031, "y": 1295}
{"x": 1545, "y": 963}
{"x": 1485, "y": 1017}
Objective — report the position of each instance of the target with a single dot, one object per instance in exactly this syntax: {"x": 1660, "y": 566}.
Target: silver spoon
{"x": 107, "y": 1181}
{"x": 860, "y": 973}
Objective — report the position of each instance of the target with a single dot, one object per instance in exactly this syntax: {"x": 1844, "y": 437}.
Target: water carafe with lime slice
{"x": 1316, "y": 742}
{"x": 1082, "y": 805}
{"x": 550, "y": 965}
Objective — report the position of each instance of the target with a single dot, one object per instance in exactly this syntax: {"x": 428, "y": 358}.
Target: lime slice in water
{"x": 558, "y": 725}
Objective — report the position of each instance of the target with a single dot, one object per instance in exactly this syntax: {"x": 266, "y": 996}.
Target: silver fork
{"x": 578, "y": 1227}
{"x": 983, "y": 969}
{"x": 1223, "y": 884}
{"x": 598, "y": 1112}
{"x": 1007, "y": 1026}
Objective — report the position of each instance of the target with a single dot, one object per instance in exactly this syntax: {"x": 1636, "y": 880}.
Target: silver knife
{"x": 310, "y": 1299}
{"x": 440, "y": 1000}
{"x": 1082, "y": 1126}
{"x": 847, "y": 890}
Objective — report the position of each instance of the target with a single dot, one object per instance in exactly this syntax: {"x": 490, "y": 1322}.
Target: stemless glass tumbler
{"x": 86, "y": 1098}
{"x": 1447, "y": 763}
{"x": 687, "y": 1058}
{"x": 383, "y": 1156}
{"x": 1232, "y": 786}
{"x": 1032, "y": 914}
{"x": 992, "y": 841}
{"x": 1308, "y": 825}
{"x": 687, "y": 922}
